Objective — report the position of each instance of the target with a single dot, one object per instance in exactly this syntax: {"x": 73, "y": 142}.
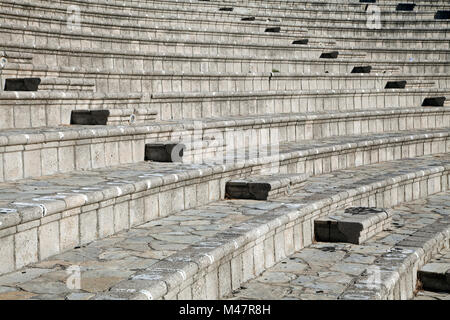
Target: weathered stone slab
{"x": 353, "y": 225}
{"x": 164, "y": 152}
{"x": 89, "y": 117}
{"x": 434, "y": 102}
{"x": 22, "y": 84}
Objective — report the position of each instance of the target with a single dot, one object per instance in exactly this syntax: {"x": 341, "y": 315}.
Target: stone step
{"x": 198, "y": 17}
{"x": 46, "y": 84}
{"x": 383, "y": 268}
{"x": 435, "y": 275}
{"x": 15, "y": 57}
{"x": 264, "y": 187}
{"x": 53, "y": 108}
{"x": 207, "y": 252}
{"x": 69, "y": 40}
{"x": 275, "y": 14}
{"x": 352, "y": 225}
{"x": 269, "y": 5}
{"x": 110, "y": 80}
{"x": 59, "y": 84}
{"x": 30, "y": 153}
{"x": 345, "y": 62}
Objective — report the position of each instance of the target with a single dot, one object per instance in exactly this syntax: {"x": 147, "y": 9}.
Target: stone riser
{"x": 374, "y": 33}
{"x": 178, "y": 63}
{"x": 177, "y": 107}
{"x": 159, "y": 83}
{"x": 398, "y": 281}
{"x": 23, "y": 111}
{"x": 267, "y": 244}
{"x": 269, "y": 5}
{"x": 199, "y": 11}
{"x": 44, "y": 109}
{"x": 33, "y": 154}
{"x": 103, "y": 213}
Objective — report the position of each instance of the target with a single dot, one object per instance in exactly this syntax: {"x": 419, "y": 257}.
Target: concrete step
{"x": 435, "y": 275}
{"x": 15, "y": 57}
{"x": 53, "y": 108}
{"x": 132, "y": 60}
{"x": 111, "y": 80}
{"x": 157, "y": 16}
{"x": 30, "y": 153}
{"x": 207, "y": 252}
{"x": 352, "y": 225}
{"x": 50, "y": 109}
{"x": 383, "y": 268}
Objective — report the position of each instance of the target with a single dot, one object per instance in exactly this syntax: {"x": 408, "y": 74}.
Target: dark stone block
{"x": 22, "y": 84}
{"x": 274, "y": 29}
{"x": 405, "y": 7}
{"x": 89, "y": 117}
{"x": 301, "y": 41}
{"x": 365, "y": 69}
{"x": 226, "y": 9}
{"x": 434, "y": 102}
{"x": 247, "y": 190}
{"x": 164, "y": 152}
{"x": 329, "y": 55}
{"x": 442, "y": 14}
{"x": 396, "y": 85}
{"x": 248, "y": 19}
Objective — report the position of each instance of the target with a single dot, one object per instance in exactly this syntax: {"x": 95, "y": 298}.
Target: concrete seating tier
{"x": 383, "y": 268}
{"x": 207, "y": 252}
{"x": 146, "y": 190}
{"x": 123, "y": 137}
{"x": 175, "y": 17}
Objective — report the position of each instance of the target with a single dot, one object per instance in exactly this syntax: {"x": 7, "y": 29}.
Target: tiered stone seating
{"x": 299, "y": 97}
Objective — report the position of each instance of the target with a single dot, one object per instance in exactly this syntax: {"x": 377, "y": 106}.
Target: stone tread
{"x": 174, "y": 247}
{"x": 324, "y": 271}
{"x": 63, "y": 191}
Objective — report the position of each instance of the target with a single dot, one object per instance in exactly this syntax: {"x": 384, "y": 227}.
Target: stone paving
{"x": 321, "y": 271}
{"x": 325, "y": 270}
